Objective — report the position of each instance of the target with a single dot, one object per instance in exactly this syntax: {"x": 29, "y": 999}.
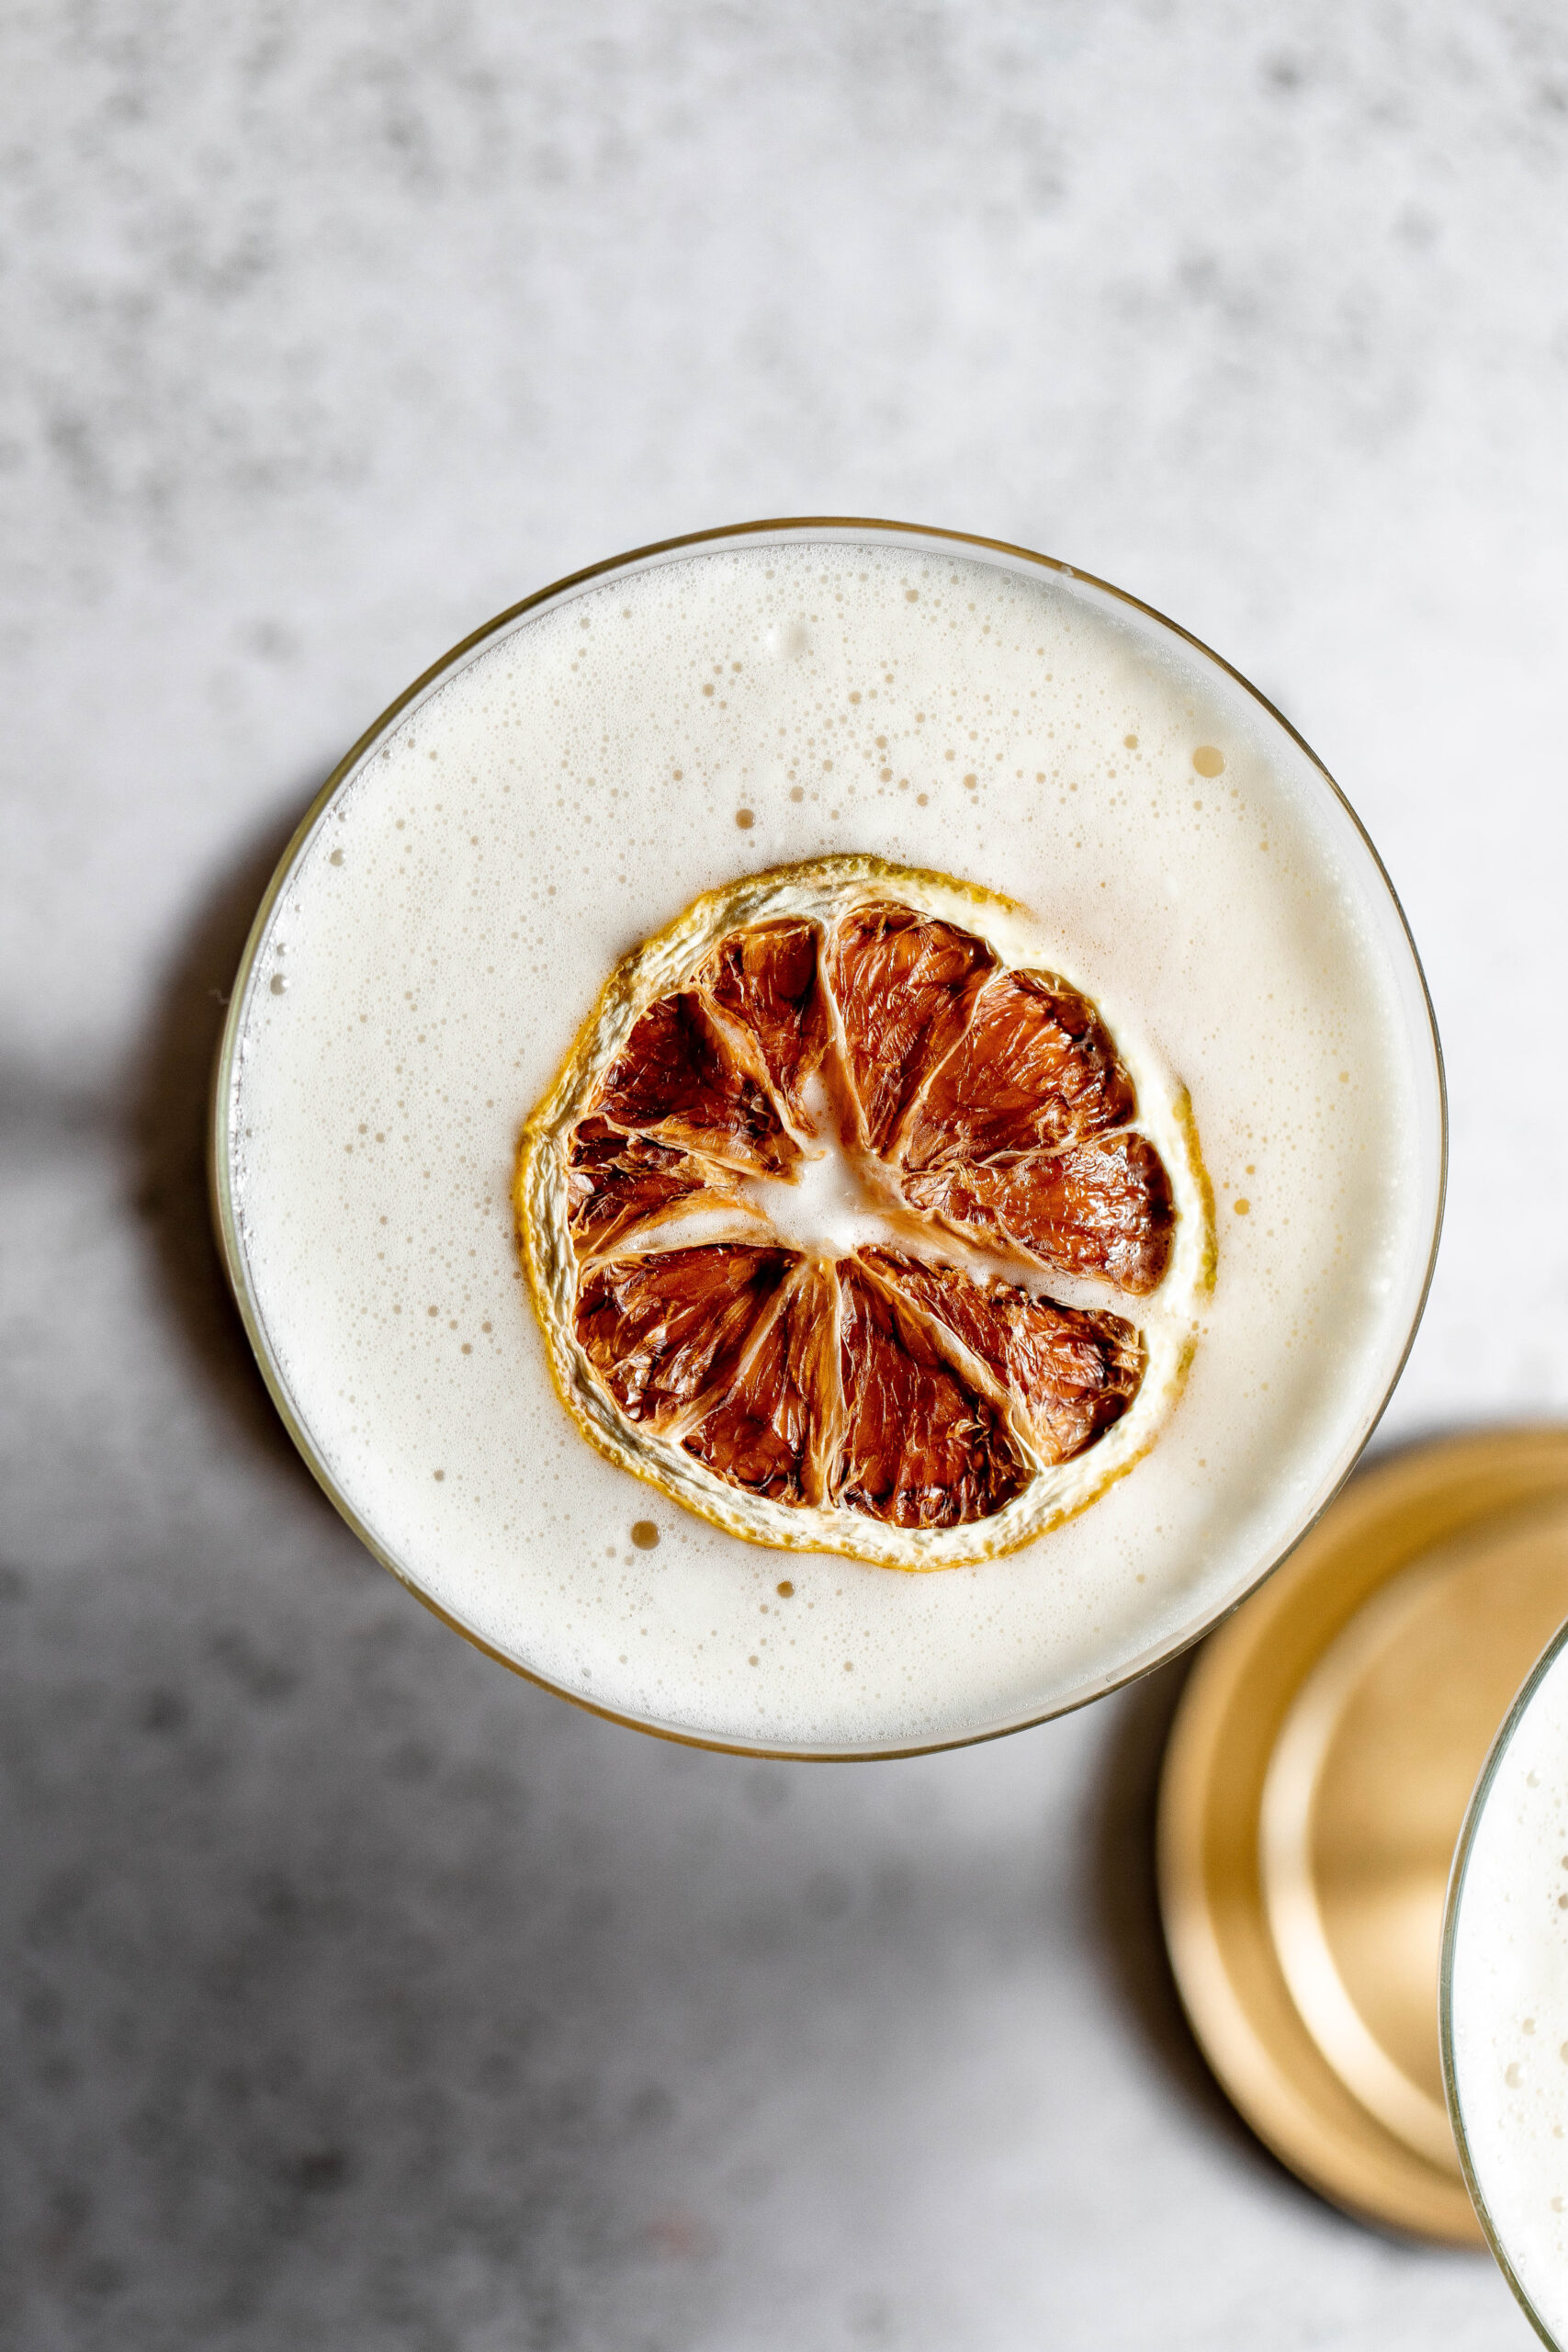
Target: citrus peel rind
{"x": 998, "y": 1334}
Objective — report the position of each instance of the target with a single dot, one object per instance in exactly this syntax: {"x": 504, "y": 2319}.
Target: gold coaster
{"x": 1317, "y": 1773}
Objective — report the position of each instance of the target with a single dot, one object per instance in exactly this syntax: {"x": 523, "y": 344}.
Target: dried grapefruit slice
{"x": 855, "y": 1226}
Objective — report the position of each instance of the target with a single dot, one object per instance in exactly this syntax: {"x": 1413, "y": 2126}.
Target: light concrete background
{"x": 355, "y": 1993}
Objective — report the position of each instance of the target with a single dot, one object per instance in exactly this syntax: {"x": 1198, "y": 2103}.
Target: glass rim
{"x": 1458, "y": 1870}
{"x": 830, "y": 528}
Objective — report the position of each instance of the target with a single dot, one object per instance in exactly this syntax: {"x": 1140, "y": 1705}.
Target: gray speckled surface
{"x": 353, "y": 1992}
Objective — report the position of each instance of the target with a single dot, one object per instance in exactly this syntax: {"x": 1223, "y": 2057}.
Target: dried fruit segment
{"x": 1035, "y": 1067}
{"x": 922, "y": 1446}
{"x": 666, "y": 1330}
{"x": 617, "y": 1183}
{"x": 765, "y": 980}
{"x": 677, "y": 1078}
{"x": 904, "y": 985}
{"x": 1073, "y": 1373}
{"x": 1102, "y": 1208}
{"x": 776, "y": 1430}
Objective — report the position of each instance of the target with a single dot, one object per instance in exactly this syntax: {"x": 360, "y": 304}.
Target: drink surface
{"x": 1509, "y": 1998}
{"x": 566, "y": 791}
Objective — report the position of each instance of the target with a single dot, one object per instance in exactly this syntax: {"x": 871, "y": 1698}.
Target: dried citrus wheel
{"x": 854, "y": 1230}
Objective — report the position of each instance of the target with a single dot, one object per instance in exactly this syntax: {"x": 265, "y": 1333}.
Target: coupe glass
{"x": 1213, "y": 1526}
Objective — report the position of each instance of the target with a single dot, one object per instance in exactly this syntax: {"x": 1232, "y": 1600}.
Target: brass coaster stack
{"x": 1317, "y": 1774}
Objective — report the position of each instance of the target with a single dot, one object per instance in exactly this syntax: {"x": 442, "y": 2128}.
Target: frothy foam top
{"x": 1508, "y": 2009}
{"x": 560, "y": 796}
